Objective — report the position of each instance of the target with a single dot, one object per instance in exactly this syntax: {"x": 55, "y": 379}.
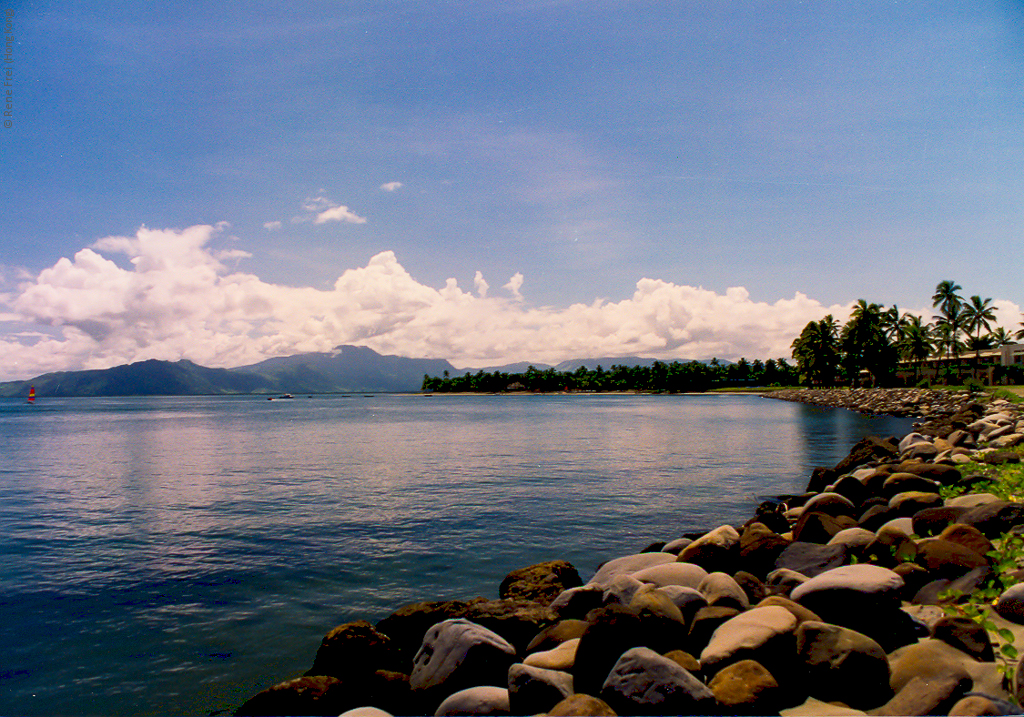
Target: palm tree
{"x": 945, "y": 296}
{"x": 1002, "y": 337}
{"x": 816, "y": 351}
{"x": 978, "y": 315}
{"x": 916, "y": 344}
{"x": 1020, "y": 334}
{"x": 865, "y": 342}
{"x": 950, "y": 321}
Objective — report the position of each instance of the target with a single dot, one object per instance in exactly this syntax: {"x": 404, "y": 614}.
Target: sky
{"x": 490, "y": 182}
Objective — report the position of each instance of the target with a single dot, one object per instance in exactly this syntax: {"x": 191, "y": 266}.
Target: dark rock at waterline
{"x": 354, "y": 648}
{"x": 540, "y": 583}
{"x": 866, "y": 451}
{"x": 316, "y": 695}
{"x": 642, "y": 682}
{"x": 407, "y": 625}
{"x": 612, "y": 631}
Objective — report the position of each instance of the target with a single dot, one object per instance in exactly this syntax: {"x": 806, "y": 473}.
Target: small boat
{"x": 31, "y": 395}
{"x": 278, "y": 398}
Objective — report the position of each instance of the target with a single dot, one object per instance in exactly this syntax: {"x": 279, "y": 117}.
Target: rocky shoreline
{"x": 841, "y": 600}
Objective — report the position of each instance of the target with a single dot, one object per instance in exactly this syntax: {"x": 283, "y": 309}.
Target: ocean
{"x": 176, "y": 555}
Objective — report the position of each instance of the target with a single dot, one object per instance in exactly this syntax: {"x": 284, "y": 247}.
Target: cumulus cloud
{"x": 391, "y": 186}
{"x": 321, "y": 210}
{"x": 177, "y": 299}
{"x": 272, "y": 226}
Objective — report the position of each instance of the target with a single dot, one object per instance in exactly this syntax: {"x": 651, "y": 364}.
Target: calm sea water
{"x": 177, "y": 555}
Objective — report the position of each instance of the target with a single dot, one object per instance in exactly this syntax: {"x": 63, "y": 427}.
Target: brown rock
{"x": 317, "y": 695}
{"x": 801, "y": 613}
{"x": 685, "y": 660}
{"x": 967, "y": 536}
{"x": 554, "y": 635}
{"x": 817, "y": 527}
{"x": 746, "y": 687}
{"x": 965, "y": 635}
{"x": 354, "y": 648}
{"x": 926, "y": 696}
{"x": 974, "y": 706}
{"x": 945, "y": 559}
{"x": 578, "y": 705}
{"x": 541, "y": 583}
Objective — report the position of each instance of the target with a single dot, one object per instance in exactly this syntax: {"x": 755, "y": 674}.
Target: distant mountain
{"x": 347, "y": 368}
{"x": 607, "y": 362}
{"x": 519, "y": 367}
{"x": 144, "y": 378}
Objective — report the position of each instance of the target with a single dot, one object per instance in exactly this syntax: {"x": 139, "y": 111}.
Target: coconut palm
{"x": 1001, "y": 337}
{"x": 916, "y": 344}
{"x": 945, "y": 296}
{"x": 1020, "y": 334}
{"x": 978, "y": 314}
{"x": 865, "y": 344}
{"x": 816, "y": 351}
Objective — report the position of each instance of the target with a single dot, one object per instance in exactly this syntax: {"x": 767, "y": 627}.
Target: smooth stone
{"x": 759, "y": 548}
{"x": 861, "y": 597}
{"x": 579, "y": 705}
{"x": 518, "y": 621}
{"x": 975, "y": 706}
{"x": 1010, "y": 605}
{"x": 620, "y": 590}
{"x": 366, "y": 711}
{"x": 832, "y": 504}
{"x": 676, "y": 546}
{"x": 816, "y": 708}
{"x": 903, "y": 525}
{"x": 993, "y": 519}
{"x": 714, "y": 551}
{"x": 972, "y": 500}
{"x": 946, "y": 559}
{"x": 720, "y": 589}
{"x": 912, "y": 439}
{"x": 562, "y": 657}
{"x": 704, "y": 624}
{"x": 532, "y": 690}
{"x": 928, "y": 659}
{"x": 932, "y": 521}
{"x": 458, "y": 654}
{"x": 967, "y": 536}
{"x": 801, "y": 613}
{"x": 843, "y": 665}
{"x": 575, "y": 603}
{"x": 752, "y": 586}
{"x": 811, "y": 559}
{"x": 659, "y": 616}
{"x": 688, "y": 600}
{"x": 855, "y": 538}
{"x": 628, "y": 564}
{"x": 644, "y": 682}
{"x": 910, "y": 502}
{"x": 684, "y": 574}
{"x": 612, "y": 631}
{"x": 479, "y": 700}
{"x": 903, "y": 482}
{"x": 746, "y": 687}
{"x": 782, "y": 581}
{"x": 763, "y": 634}
{"x": 926, "y": 696}
{"x": 554, "y": 635}
{"x": 965, "y": 635}
{"x": 817, "y": 527}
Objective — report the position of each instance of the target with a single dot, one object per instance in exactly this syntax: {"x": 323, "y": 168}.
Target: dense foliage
{"x": 675, "y": 377}
{"x": 871, "y": 345}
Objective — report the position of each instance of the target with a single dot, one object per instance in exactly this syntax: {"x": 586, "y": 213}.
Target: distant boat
{"x": 32, "y": 395}
{"x": 278, "y": 398}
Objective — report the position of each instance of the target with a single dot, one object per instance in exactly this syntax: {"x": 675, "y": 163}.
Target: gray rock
{"x": 575, "y": 603}
{"x": 620, "y": 590}
{"x": 684, "y": 574}
{"x": 810, "y": 559}
{"x": 459, "y": 654}
{"x": 532, "y": 690}
{"x": 714, "y": 551}
{"x": 644, "y": 682}
{"x": 688, "y": 600}
{"x": 629, "y": 564}
{"x": 480, "y": 700}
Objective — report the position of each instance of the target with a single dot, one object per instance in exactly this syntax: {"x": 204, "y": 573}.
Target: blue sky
{"x": 599, "y": 178}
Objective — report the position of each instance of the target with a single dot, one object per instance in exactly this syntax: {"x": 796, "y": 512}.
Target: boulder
{"x": 675, "y": 573}
{"x": 996, "y": 518}
{"x": 311, "y": 695}
{"x": 629, "y": 564}
{"x": 946, "y": 559}
{"x": 904, "y": 482}
{"x": 715, "y": 551}
{"x": 518, "y": 621}
{"x": 763, "y": 634}
{"x": 575, "y": 603}
{"x": 532, "y": 690}
{"x": 843, "y": 665}
{"x": 688, "y": 600}
{"x": 560, "y": 657}
{"x": 578, "y": 705}
{"x": 905, "y": 505}
{"x": 541, "y": 583}
{"x": 801, "y": 613}
{"x": 751, "y": 585}
{"x": 457, "y": 654}
{"x": 816, "y": 527}
{"x": 965, "y": 635}
{"x": 975, "y": 706}
{"x": 782, "y": 581}
{"x": 746, "y": 687}
{"x": 704, "y": 624}
{"x": 866, "y": 450}
{"x": 620, "y": 590}
{"x": 759, "y": 549}
{"x": 926, "y": 696}
{"x": 352, "y": 649}
{"x": 407, "y": 625}
{"x": 967, "y": 536}
{"x": 832, "y": 504}
{"x": 856, "y": 539}
{"x": 928, "y": 660}
{"x": 642, "y": 682}
{"x": 612, "y": 631}
{"x": 721, "y": 590}
{"x": 932, "y": 521}
{"x": 1010, "y": 605}
{"x": 852, "y": 489}
{"x": 811, "y": 559}
{"x": 480, "y": 700}
{"x": 554, "y": 635}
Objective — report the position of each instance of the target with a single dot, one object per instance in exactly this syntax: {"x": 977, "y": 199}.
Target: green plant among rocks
{"x": 1007, "y": 479}
{"x": 1006, "y": 558}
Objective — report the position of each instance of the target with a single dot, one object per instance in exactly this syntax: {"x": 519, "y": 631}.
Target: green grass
{"x": 1009, "y": 477}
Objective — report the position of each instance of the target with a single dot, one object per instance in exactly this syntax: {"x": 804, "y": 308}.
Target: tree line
{"x": 659, "y": 377}
{"x": 872, "y": 343}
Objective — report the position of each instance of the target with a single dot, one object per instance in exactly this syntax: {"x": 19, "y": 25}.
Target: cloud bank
{"x": 173, "y": 297}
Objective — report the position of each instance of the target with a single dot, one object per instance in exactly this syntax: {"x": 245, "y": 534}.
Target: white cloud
{"x": 272, "y": 226}
{"x": 178, "y": 300}
{"x": 339, "y": 214}
{"x": 391, "y": 186}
